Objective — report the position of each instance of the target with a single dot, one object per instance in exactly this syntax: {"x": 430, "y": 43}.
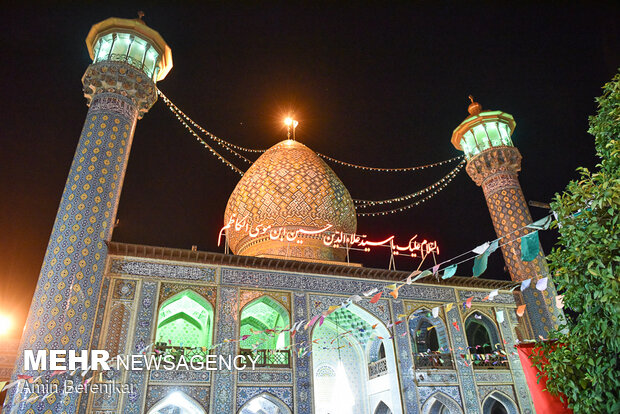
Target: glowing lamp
{"x": 288, "y": 121}
{"x": 5, "y": 324}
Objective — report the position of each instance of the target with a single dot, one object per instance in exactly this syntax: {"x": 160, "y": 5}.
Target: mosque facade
{"x": 287, "y": 299}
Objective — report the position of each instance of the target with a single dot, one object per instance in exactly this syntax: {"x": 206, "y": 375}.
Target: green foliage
{"x": 585, "y": 267}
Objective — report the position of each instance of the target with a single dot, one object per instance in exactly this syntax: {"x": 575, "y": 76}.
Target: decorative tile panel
{"x": 227, "y": 328}
{"x": 303, "y": 365}
{"x": 503, "y": 298}
{"x": 452, "y": 392}
{"x": 493, "y": 376}
{"x": 402, "y": 344}
{"x": 265, "y": 376}
{"x": 163, "y": 270}
{"x": 157, "y": 393}
{"x": 179, "y": 376}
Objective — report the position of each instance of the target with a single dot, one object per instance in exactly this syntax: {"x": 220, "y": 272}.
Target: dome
{"x": 289, "y": 187}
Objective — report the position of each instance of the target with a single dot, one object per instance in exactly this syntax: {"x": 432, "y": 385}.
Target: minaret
{"x": 494, "y": 163}
{"x": 128, "y": 58}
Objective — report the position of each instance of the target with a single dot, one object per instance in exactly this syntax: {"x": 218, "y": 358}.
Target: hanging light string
{"x": 404, "y": 169}
{"x": 223, "y": 143}
{"x": 232, "y": 147}
{"x": 440, "y": 185}
{"x": 449, "y": 176}
{"x": 207, "y": 146}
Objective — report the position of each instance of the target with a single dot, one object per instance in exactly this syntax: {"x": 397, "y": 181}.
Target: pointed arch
{"x": 185, "y": 319}
{"x": 345, "y": 342}
{"x": 429, "y": 339}
{"x": 264, "y": 403}
{"x": 177, "y": 402}
{"x": 498, "y": 403}
{"x": 382, "y": 408}
{"x": 482, "y": 333}
{"x": 440, "y": 403}
{"x": 271, "y": 319}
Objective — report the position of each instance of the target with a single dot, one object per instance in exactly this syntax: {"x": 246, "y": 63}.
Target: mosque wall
{"x": 134, "y": 288}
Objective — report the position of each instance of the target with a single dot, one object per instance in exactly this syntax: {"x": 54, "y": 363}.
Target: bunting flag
{"x": 423, "y": 274}
{"x": 500, "y": 316}
{"x": 391, "y": 287}
{"x": 493, "y": 246}
{"x": 525, "y": 284}
{"x": 559, "y": 301}
{"x": 449, "y": 306}
{"x": 520, "y": 310}
{"x": 529, "y": 246}
{"x": 376, "y": 298}
{"x": 435, "y": 270}
{"x": 312, "y": 321}
{"x": 542, "y": 284}
{"x": 414, "y": 273}
{"x": 394, "y": 293}
{"x": 493, "y": 294}
{"x": 468, "y": 302}
{"x": 481, "y": 249}
{"x": 449, "y": 271}
{"x": 480, "y": 264}
{"x": 542, "y": 224}
{"x": 2, "y": 384}
{"x": 370, "y": 292}
{"x": 456, "y": 326}
{"x": 435, "y": 311}
{"x": 321, "y": 319}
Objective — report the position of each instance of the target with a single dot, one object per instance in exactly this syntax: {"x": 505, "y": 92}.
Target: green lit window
{"x": 481, "y": 137}
{"x": 264, "y": 321}
{"x": 125, "y": 47}
{"x": 185, "y": 320}
{"x": 471, "y": 145}
{"x": 505, "y": 134}
{"x": 493, "y": 133}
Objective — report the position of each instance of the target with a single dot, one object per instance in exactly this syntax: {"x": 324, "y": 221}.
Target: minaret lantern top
{"x": 483, "y": 130}
{"x": 130, "y": 41}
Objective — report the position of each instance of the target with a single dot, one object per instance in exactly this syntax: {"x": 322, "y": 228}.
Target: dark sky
{"x": 377, "y": 84}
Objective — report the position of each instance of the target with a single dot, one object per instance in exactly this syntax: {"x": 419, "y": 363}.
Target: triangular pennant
{"x": 449, "y": 271}
{"x": 468, "y": 302}
{"x": 525, "y": 284}
{"x": 370, "y": 292}
{"x": 413, "y": 274}
{"x": 529, "y": 246}
{"x": 394, "y": 293}
{"x": 435, "y": 311}
{"x": 480, "y": 264}
{"x": 542, "y": 284}
{"x": 521, "y": 310}
{"x": 376, "y": 298}
{"x": 449, "y": 306}
{"x": 481, "y": 249}
{"x": 542, "y": 224}
{"x": 500, "y": 316}
{"x": 493, "y": 294}
{"x": 435, "y": 269}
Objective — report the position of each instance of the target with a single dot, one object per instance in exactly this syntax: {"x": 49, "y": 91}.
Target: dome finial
{"x": 474, "y": 107}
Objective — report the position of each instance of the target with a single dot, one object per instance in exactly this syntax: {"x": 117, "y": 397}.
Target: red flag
{"x": 376, "y": 298}
{"x": 520, "y": 310}
{"x": 456, "y": 326}
{"x": 468, "y": 302}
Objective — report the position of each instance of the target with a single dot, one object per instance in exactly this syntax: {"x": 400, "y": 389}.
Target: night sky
{"x": 381, "y": 85}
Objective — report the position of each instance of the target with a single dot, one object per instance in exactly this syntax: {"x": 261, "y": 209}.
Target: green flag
{"x": 529, "y": 246}
{"x": 480, "y": 264}
{"x": 448, "y": 272}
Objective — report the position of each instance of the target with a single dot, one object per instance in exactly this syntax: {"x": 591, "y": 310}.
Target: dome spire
{"x": 291, "y": 124}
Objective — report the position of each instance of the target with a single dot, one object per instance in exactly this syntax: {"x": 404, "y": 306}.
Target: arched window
{"x": 440, "y": 403}
{"x": 177, "y": 403}
{"x": 264, "y": 403}
{"x": 482, "y": 334}
{"x": 185, "y": 320}
{"x": 430, "y": 340}
{"x": 271, "y": 342}
{"x": 484, "y": 343}
{"x": 382, "y": 408}
{"x": 498, "y": 403}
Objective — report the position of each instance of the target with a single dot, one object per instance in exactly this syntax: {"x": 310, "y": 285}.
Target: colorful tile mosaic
{"x": 163, "y": 270}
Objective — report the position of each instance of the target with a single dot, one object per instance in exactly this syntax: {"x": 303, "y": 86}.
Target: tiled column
{"x": 63, "y": 308}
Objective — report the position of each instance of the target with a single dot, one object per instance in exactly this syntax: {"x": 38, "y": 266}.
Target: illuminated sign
{"x": 330, "y": 238}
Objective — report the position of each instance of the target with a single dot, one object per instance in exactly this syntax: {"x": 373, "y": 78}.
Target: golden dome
{"x": 290, "y": 187}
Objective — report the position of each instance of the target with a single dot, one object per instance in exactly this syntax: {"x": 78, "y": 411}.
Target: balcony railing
{"x": 377, "y": 368}
{"x": 269, "y": 357}
{"x": 178, "y": 351}
{"x": 489, "y": 361}
{"x": 434, "y": 361}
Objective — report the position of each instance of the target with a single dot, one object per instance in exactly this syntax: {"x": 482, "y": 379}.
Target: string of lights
{"x": 449, "y": 176}
{"x": 223, "y": 143}
{"x": 232, "y": 147}
{"x": 404, "y": 169}
{"x": 438, "y": 189}
{"x": 207, "y": 146}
